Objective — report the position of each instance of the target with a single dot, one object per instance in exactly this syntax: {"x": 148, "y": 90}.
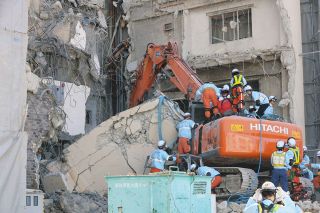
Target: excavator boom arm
{"x": 158, "y": 57}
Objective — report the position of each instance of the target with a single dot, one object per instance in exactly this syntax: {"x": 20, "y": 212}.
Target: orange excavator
{"x": 234, "y": 145}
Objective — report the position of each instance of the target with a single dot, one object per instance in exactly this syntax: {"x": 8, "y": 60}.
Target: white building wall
{"x": 265, "y": 29}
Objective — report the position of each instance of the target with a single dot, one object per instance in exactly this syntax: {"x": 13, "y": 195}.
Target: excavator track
{"x": 236, "y": 181}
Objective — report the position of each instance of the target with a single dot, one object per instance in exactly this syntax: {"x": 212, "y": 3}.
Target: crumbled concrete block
{"x": 57, "y": 6}
{"x": 235, "y": 207}
{"x": 44, "y": 15}
{"x": 79, "y": 39}
{"x": 102, "y": 19}
{"x": 32, "y": 80}
{"x": 54, "y": 182}
{"x": 112, "y": 149}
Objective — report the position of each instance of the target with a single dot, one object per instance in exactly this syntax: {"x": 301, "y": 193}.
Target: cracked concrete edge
{"x": 287, "y": 58}
{"x": 92, "y": 156}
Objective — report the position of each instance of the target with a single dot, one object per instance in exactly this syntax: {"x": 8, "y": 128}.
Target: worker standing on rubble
{"x": 279, "y": 172}
{"x": 225, "y": 102}
{"x": 260, "y": 100}
{"x": 304, "y": 165}
{"x": 237, "y": 83}
{"x": 184, "y": 133}
{"x": 270, "y": 199}
{"x": 208, "y": 171}
{"x": 210, "y": 101}
{"x": 315, "y": 165}
{"x": 292, "y": 157}
{"x": 272, "y": 102}
{"x": 159, "y": 156}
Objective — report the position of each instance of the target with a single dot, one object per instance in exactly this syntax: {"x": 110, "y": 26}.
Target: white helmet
{"x": 280, "y": 144}
{"x": 235, "y": 71}
{"x": 318, "y": 154}
{"x": 268, "y": 186}
{"x": 225, "y": 88}
{"x": 248, "y": 87}
{"x": 187, "y": 114}
{"x": 292, "y": 142}
{"x": 161, "y": 143}
{"x": 193, "y": 167}
{"x": 272, "y": 98}
{"x": 305, "y": 148}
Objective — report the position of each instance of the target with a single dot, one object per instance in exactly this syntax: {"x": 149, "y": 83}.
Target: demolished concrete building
{"x": 68, "y": 96}
{"x": 261, "y": 38}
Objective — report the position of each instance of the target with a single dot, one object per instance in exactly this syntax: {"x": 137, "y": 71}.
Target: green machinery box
{"x": 169, "y": 192}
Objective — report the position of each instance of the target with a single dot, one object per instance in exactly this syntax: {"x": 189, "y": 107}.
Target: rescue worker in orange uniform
{"x": 184, "y": 133}
{"x": 316, "y": 182}
{"x": 237, "y": 83}
{"x": 159, "y": 156}
{"x": 209, "y": 97}
{"x": 225, "y": 102}
{"x": 208, "y": 171}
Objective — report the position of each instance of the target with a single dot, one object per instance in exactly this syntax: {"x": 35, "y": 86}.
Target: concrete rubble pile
{"x": 65, "y": 202}
{"x": 118, "y": 146}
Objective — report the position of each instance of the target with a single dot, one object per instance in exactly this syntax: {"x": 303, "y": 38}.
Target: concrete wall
{"x": 197, "y": 28}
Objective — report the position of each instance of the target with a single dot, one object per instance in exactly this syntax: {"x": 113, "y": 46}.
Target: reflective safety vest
{"x": 237, "y": 79}
{"x": 278, "y": 159}
{"x": 274, "y": 208}
{"x": 296, "y": 159}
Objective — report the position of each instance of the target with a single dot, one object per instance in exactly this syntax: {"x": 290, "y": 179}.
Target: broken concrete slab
{"x": 120, "y": 145}
{"x": 54, "y": 182}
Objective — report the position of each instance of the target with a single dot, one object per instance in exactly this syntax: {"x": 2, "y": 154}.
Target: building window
{"x": 231, "y": 26}
{"x": 35, "y": 201}
{"x": 28, "y": 200}
{"x": 88, "y": 117}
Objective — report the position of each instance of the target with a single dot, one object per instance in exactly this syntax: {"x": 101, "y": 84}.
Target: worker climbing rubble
{"x": 269, "y": 112}
{"x": 159, "y": 156}
{"x": 260, "y": 100}
{"x": 292, "y": 158}
{"x": 210, "y": 101}
{"x": 307, "y": 173}
{"x": 237, "y": 83}
{"x": 208, "y": 171}
{"x": 225, "y": 102}
{"x": 184, "y": 128}
{"x": 278, "y": 162}
{"x": 270, "y": 199}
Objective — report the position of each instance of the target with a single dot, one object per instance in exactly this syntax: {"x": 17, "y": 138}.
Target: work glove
{"x": 258, "y": 102}
{"x": 257, "y": 195}
{"x": 291, "y": 162}
{"x": 170, "y": 158}
{"x": 280, "y": 195}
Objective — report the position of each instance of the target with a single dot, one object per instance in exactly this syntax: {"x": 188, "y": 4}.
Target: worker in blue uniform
{"x": 315, "y": 165}
{"x": 208, "y": 171}
{"x": 271, "y": 199}
{"x": 278, "y": 162}
{"x": 307, "y": 173}
{"x": 260, "y": 100}
{"x": 159, "y": 156}
{"x": 184, "y": 128}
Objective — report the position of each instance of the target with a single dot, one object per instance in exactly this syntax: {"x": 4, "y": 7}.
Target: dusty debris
{"x": 66, "y": 202}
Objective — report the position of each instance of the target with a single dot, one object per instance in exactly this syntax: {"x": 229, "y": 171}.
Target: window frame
{"x": 35, "y": 200}
{"x": 30, "y": 202}
{"x": 233, "y": 10}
